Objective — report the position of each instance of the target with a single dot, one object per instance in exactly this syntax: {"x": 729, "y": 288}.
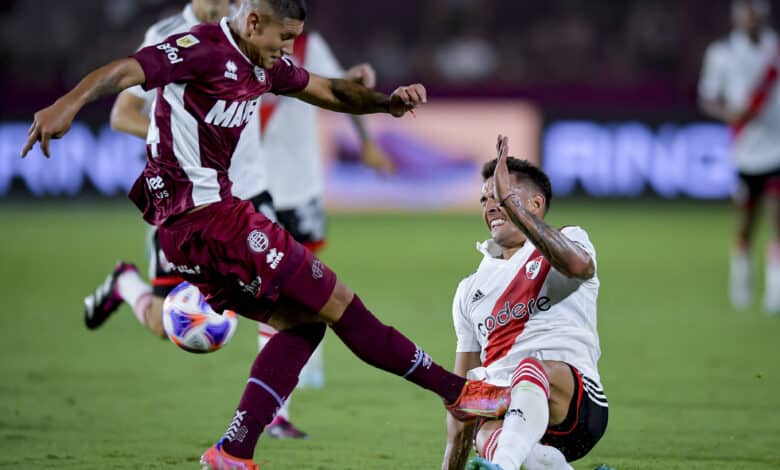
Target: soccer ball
{"x": 192, "y": 324}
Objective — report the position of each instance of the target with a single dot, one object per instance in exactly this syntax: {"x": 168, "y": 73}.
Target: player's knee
{"x": 337, "y": 303}
{"x": 153, "y": 317}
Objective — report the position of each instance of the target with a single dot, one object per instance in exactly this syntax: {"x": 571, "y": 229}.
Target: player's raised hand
{"x": 502, "y": 183}
{"x": 49, "y": 123}
{"x": 406, "y": 98}
{"x": 363, "y": 74}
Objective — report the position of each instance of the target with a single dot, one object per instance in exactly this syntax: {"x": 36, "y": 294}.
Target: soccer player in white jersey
{"x": 527, "y": 318}
{"x": 739, "y": 86}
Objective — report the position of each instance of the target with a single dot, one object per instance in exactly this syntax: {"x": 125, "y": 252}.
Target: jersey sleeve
{"x": 712, "y": 80}
{"x": 320, "y": 58}
{"x": 465, "y": 333}
{"x": 180, "y": 57}
{"x": 579, "y": 236}
{"x": 286, "y": 77}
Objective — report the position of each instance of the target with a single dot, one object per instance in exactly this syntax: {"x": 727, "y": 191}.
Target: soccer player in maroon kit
{"x": 209, "y": 82}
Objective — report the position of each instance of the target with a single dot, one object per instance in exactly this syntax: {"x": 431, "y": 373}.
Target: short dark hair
{"x": 524, "y": 170}
{"x": 293, "y": 9}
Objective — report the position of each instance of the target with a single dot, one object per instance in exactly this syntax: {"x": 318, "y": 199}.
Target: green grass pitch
{"x": 691, "y": 384}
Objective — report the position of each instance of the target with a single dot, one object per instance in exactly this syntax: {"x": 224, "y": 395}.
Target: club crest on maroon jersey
{"x": 258, "y": 241}
{"x": 260, "y": 74}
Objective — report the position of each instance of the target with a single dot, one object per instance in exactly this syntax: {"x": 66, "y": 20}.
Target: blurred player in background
{"x": 297, "y": 184}
{"x": 248, "y": 172}
{"x": 527, "y": 318}
{"x": 738, "y": 85}
{"x": 220, "y": 243}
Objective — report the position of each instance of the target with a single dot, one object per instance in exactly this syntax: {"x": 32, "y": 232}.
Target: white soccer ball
{"x": 191, "y": 324}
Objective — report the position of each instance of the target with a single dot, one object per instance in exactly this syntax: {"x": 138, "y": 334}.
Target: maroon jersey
{"x": 207, "y": 90}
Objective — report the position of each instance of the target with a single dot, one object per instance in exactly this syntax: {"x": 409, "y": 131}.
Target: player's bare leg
{"x": 772, "y": 289}
{"x": 541, "y": 395}
{"x": 740, "y": 273}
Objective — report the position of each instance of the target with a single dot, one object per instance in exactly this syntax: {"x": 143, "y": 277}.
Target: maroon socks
{"x": 272, "y": 378}
{"x": 385, "y": 348}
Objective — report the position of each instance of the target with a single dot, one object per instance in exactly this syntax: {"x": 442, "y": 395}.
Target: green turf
{"x": 691, "y": 384}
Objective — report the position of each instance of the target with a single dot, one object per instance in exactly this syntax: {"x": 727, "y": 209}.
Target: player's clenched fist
{"x": 406, "y": 98}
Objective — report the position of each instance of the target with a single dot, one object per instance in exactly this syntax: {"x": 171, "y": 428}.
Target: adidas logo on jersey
{"x": 478, "y": 295}
{"x": 235, "y": 115}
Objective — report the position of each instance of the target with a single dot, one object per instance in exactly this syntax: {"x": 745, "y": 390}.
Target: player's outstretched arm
{"x": 349, "y": 97}
{"x": 565, "y": 255}
{"x": 54, "y": 121}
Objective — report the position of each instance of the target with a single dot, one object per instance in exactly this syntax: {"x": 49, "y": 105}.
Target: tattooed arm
{"x": 54, "y": 121}
{"x": 350, "y": 97}
{"x": 564, "y": 254}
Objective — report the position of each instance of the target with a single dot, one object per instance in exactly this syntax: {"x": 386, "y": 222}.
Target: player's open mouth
{"x": 497, "y": 222}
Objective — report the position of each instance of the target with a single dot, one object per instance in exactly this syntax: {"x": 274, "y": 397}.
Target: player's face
{"x": 749, "y": 15}
{"x": 269, "y": 39}
{"x": 505, "y": 233}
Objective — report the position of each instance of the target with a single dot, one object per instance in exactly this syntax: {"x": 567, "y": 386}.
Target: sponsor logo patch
{"x": 230, "y": 70}
{"x": 258, "y": 241}
{"x": 187, "y": 41}
{"x": 316, "y": 269}
{"x": 171, "y": 52}
{"x": 274, "y": 257}
{"x": 478, "y": 295}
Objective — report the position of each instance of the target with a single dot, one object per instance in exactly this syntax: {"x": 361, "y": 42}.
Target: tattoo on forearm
{"x": 562, "y": 252}
{"x": 355, "y": 98}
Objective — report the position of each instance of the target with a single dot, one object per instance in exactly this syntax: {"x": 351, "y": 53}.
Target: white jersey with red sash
{"x": 288, "y": 139}
{"x": 744, "y": 75}
{"x": 523, "y": 307}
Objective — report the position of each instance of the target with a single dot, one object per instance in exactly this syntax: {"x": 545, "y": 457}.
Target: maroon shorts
{"x": 244, "y": 262}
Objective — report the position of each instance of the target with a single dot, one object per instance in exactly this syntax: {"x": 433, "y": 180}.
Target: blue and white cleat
{"x": 478, "y": 463}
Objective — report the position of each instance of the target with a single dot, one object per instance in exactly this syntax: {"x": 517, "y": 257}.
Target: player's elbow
{"x": 582, "y": 269}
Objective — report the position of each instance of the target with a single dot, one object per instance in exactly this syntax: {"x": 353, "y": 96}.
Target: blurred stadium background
{"x": 601, "y": 94}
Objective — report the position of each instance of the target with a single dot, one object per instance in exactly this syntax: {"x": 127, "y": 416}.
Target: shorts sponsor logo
{"x": 258, "y": 241}
{"x": 253, "y": 287}
{"x": 230, "y": 70}
{"x": 316, "y": 269}
{"x": 274, "y": 257}
{"x": 171, "y": 52}
{"x": 533, "y": 267}
{"x": 187, "y": 41}
{"x": 184, "y": 269}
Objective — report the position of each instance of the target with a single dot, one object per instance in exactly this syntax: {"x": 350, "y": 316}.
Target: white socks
{"x": 136, "y": 292}
{"x": 527, "y": 418}
{"x": 772, "y": 292}
{"x": 740, "y": 282}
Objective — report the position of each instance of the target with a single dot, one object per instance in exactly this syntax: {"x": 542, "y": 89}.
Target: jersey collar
{"x": 189, "y": 16}
{"x": 223, "y": 23}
